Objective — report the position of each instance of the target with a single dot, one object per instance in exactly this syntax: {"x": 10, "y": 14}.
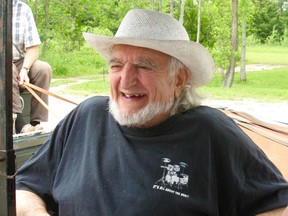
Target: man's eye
{"x": 144, "y": 68}
{"x": 115, "y": 67}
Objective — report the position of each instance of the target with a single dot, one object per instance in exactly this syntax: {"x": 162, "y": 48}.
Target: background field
{"x": 263, "y": 85}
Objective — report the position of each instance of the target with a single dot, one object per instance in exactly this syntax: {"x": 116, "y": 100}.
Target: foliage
{"x": 285, "y": 38}
{"x": 273, "y": 39}
{"x": 77, "y": 63}
{"x": 221, "y": 32}
{"x": 252, "y": 40}
{"x": 269, "y": 19}
{"x": 61, "y": 23}
{"x": 207, "y": 17}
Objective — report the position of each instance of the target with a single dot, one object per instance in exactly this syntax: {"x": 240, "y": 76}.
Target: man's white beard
{"x": 140, "y": 117}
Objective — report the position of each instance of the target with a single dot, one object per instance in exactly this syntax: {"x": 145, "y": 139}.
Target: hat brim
{"x": 193, "y": 55}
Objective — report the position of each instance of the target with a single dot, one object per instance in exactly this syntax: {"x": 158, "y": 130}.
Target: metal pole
{"x": 7, "y": 154}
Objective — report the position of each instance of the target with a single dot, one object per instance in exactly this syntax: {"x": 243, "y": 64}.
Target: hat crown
{"x": 148, "y": 24}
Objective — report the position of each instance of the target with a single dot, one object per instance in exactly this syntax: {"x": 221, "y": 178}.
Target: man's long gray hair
{"x": 189, "y": 98}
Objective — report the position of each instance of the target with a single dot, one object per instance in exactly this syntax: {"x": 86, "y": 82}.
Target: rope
{"x": 47, "y": 92}
{"x": 30, "y": 88}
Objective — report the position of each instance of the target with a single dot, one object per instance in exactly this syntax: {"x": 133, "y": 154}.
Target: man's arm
{"x": 31, "y": 56}
{"x": 29, "y": 204}
{"x": 276, "y": 212}
{"x": 285, "y": 212}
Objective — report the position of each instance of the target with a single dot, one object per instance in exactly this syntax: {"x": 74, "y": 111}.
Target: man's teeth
{"x": 134, "y": 95}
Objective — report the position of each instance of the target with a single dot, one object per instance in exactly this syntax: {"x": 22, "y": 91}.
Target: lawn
{"x": 93, "y": 85}
{"x": 260, "y": 85}
{"x": 273, "y": 55}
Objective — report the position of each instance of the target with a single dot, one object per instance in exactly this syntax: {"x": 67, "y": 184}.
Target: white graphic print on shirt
{"x": 173, "y": 178}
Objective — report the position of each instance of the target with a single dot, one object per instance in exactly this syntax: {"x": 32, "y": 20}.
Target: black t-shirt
{"x": 195, "y": 163}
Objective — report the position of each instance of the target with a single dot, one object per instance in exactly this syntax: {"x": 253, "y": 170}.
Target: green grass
{"x": 91, "y": 85}
{"x": 267, "y": 86}
{"x": 83, "y": 62}
{"x": 57, "y": 82}
{"x": 95, "y": 87}
{"x": 273, "y": 55}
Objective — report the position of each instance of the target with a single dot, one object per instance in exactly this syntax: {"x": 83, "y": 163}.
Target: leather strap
{"x": 31, "y": 86}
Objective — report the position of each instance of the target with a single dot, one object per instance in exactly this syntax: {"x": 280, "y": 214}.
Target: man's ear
{"x": 181, "y": 79}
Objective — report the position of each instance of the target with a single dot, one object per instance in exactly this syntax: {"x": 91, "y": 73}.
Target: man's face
{"x": 138, "y": 78}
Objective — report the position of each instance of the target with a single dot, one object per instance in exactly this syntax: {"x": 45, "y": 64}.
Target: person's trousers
{"x": 40, "y": 75}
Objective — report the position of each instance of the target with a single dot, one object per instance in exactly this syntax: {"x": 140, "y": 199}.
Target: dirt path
{"x": 260, "y": 67}
{"x": 276, "y": 111}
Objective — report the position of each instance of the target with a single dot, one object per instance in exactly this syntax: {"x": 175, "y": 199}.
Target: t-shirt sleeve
{"x": 261, "y": 185}
{"x": 264, "y": 188}
{"x": 32, "y": 37}
{"x": 38, "y": 173}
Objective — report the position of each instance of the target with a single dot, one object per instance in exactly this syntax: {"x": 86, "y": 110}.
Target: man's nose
{"x": 129, "y": 76}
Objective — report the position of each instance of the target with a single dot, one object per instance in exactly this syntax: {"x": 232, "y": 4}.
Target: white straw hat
{"x": 161, "y": 32}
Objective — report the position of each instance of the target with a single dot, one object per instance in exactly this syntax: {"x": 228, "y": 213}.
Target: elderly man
{"x": 150, "y": 149}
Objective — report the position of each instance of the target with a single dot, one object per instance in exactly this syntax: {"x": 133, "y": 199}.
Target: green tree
{"x": 267, "y": 18}
{"x": 220, "y": 32}
{"x": 228, "y": 79}
{"x": 246, "y": 11}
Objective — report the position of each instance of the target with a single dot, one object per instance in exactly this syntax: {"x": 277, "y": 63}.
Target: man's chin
{"x": 140, "y": 117}
{"x": 124, "y": 117}
{"x": 126, "y": 112}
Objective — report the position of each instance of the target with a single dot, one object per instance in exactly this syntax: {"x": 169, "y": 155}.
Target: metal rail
{"x": 7, "y": 154}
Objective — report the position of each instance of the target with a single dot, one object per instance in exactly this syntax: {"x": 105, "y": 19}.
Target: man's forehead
{"x": 139, "y": 49}
{"x": 122, "y": 51}
{"x": 139, "y": 62}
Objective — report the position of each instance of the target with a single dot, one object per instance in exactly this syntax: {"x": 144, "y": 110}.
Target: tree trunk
{"x": 228, "y": 79}
{"x": 35, "y": 12}
{"x": 153, "y": 3}
{"x": 199, "y": 21}
{"x": 181, "y": 18}
{"x": 160, "y": 5}
{"x": 243, "y": 51}
{"x": 46, "y": 11}
{"x": 171, "y": 8}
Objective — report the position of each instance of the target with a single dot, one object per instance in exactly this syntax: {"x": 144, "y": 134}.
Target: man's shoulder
{"x": 90, "y": 108}
{"x": 206, "y": 112}
{"x": 208, "y": 116}
{"x": 23, "y": 5}
{"x": 95, "y": 102}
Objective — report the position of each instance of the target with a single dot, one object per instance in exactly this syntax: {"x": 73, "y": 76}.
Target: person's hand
{"x": 23, "y": 77}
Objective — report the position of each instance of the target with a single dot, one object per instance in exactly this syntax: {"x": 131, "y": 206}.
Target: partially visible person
{"x": 150, "y": 149}
{"x": 27, "y": 67}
